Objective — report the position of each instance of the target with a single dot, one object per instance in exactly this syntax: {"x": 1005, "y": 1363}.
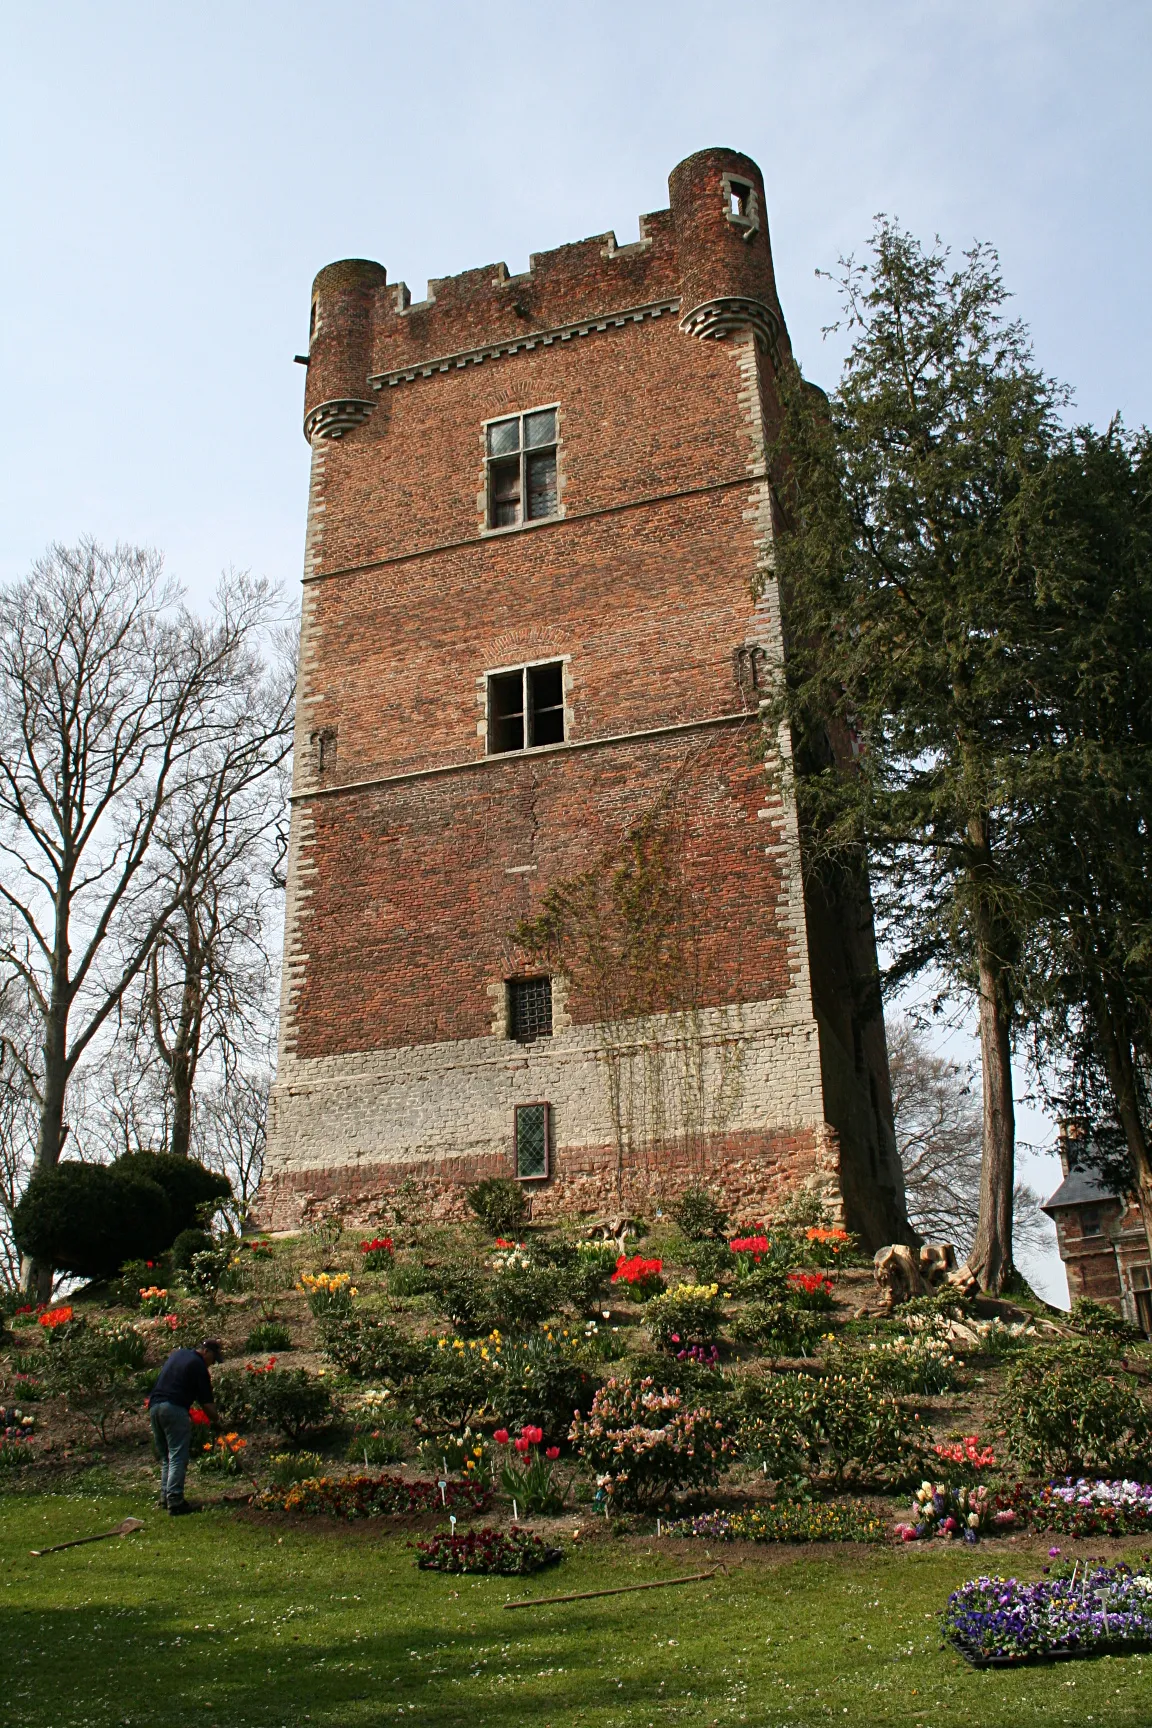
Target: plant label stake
{"x": 515, "y": 1511}
{"x": 658, "y": 1531}
{"x": 452, "y": 1521}
{"x": 442, "y": 1485}
{"x": 365, "y": 1457}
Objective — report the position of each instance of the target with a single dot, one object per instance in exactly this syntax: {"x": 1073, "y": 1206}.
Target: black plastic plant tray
{"x": 973, "y": 1655}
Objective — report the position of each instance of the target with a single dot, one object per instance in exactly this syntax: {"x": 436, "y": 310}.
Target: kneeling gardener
{"x": 183, "y": 1381}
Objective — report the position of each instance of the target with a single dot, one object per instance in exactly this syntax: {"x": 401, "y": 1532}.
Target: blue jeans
{"x": 172, "y": 1439}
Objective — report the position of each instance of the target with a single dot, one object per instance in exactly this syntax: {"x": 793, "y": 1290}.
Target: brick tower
{"x": 538, "y": 604}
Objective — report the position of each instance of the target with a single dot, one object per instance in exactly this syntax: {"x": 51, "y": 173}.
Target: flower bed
{"x": 640, "y": 1277}
{"x": 504, "y": 1552}
{"x": 1000, "y": 1621}
{"x": 374, "y": 1496}
{"x": 1086, "y": 1508}
{"x": 787, "y": 1521}
{"x": 939, "y": 1510}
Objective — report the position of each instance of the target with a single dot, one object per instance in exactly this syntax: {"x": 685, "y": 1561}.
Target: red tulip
{"x": 521, "y": 1445}
{"x": 501, "y": 1436}
{"x": 552, "y": 1452}
{"x": 532, "y": 1435}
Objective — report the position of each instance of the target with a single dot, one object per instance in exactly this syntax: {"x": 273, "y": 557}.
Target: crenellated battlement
{"x": 706, "y": 258}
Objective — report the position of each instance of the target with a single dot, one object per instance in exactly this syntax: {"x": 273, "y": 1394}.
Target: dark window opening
{"x": 740, "y": 196}
{"x": 530, "y": 1009}
{"x": 324, "y": 749}
{"x": 532, "y": 1137}
{"x": 506, "y": 712}
{"x": 521, "y": 453}
{"x": 526, "y": 708}
{"x": 1090, "y": 1224}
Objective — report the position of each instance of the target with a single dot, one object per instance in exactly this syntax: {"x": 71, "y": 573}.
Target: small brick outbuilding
{"x": 1101, "y": 1237}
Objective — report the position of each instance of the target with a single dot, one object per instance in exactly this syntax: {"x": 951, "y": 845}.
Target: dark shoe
{"x": 177, "y": 1508}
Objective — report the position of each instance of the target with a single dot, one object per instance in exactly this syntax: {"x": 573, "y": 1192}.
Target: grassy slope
{"x": 236, "y": 1623}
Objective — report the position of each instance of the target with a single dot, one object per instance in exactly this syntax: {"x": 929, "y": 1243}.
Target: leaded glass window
{"x": 521, "y": 460}
{"x": 532, "y": 1126}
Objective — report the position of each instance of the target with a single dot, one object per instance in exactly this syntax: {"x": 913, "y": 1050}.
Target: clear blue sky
{"x": 173, "y": 177}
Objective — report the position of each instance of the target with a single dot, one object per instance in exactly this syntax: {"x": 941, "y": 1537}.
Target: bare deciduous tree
{"x": 107, "y": 686}
{"x": 938, "y": 1117}
{"x": 231, "y": 1131}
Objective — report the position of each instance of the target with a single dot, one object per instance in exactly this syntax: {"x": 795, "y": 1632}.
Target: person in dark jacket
{"x": 183, "y": 1381}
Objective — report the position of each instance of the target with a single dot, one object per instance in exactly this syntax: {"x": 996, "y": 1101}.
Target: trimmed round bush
{"x": 700, "y": 1214}
{"x": 190, "y": 1188}
{"x": 89, "y": 1219}
{"x": 187, "y": 1244}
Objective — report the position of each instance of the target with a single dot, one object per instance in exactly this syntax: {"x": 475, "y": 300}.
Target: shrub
{"x": 778, "y": 1426}
{"x": 689, "y": 1314}
{"x": 644, "y": 1444}
{"x": 507, "y": 1553}
{"x": 211, "y": 1270}
{"x": 711, "y": 1262}
{"x": 778, "y": 1328}
{"x": 408, "y": 1277}
{"x": 464, "y": 1296}
{"x": 541, "y": 1380}
{"x": 368, "y": 1347}
{"x": 193, "y": 1193}
{"x": 700, "y": 1214}
{"x": 187, "y": 1244}
{"x": 588, "y": 1276}
{"x": 455, "y": 1385}
{"x": 868, "y": 1435}
{"x": 500, "y": 1204}
{"x": 288, "y": 1399}
{"x": 89, "y": 1218}
{"x": 521, "y": 1292}
{"x": 1067, "y": 1407}
{"x": 840, "y": 1425}
{"x": 269, "y": 1335}
{"x": 1098, "y": 1320}
{"x": 95, "y": 1369}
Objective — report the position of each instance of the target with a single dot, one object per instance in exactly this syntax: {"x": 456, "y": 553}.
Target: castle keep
{"x": 539, "y": 605}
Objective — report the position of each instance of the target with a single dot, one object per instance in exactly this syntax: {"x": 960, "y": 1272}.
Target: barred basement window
{"x": 521, "y": 462}
{"x": 530, "y": 1009}
{"x": 530, "y": 699}
{"x": 533, "y": 1127}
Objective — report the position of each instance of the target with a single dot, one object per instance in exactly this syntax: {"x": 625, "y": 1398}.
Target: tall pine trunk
{"x": 990, "y": 1258}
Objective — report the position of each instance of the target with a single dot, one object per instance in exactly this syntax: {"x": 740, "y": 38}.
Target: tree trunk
{"x": 990, "y": 1258}
{"x": 35, "y": 1279}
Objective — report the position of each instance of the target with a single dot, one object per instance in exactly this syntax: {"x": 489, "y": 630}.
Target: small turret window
{"x": 741, "y": 205}
{"x": 521, "y": 463}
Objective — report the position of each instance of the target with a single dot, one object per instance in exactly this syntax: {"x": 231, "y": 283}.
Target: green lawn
{"x": 230, "y": 1623}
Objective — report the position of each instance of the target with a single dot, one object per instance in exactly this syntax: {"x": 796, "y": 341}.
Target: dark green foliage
{"x": 370, "y": 1347}
{"x": 288, "y": 1399}
{"x": 1069, "y": 1407}
{"x": 542, "y": 1381}
{"x": 193, "y": 1192}
{"x": 700, "y": 1214}
{"x": 188, "y": 1243}
{"x": 269, "y": 1335}
{"x": 1098, "y": 1320}
{"x": 712, "y": 1262}
{"x": 90, "y": 1218}
{"x": 838, "y": 1426}
{"x": 96, "y": 1369}
{"x": 780, "y": 1328}
{"x": 499, "y": 1203}
{"x": 463, "y": 1293}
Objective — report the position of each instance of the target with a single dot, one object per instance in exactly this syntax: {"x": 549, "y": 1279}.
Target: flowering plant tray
{"x": 978, "y": 1658}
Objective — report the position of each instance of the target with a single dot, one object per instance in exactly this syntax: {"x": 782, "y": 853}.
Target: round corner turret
{"x": 727, "y": 280}
{"x": 338, "y": 396}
